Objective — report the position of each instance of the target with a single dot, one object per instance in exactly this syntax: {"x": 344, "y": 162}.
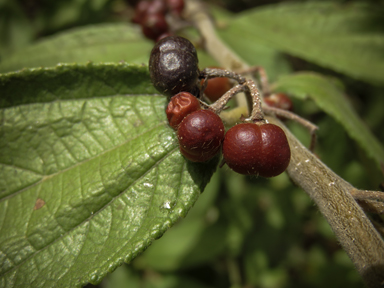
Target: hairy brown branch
{"x": 331, "y": 193}
{"x": 372, "y": 206}
{"x": 367, "y": 195}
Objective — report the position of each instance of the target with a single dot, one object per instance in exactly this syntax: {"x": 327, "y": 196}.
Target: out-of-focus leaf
{"x": 122, "y": 277}
{"x": 58, "y": 15}
{"x": 90, "y": 173}
{"x": 15, "y": 28}
{"x": 332, "y": 100}
{"x": 253, "y": 52}
{"x": 126, "y": 277}
{"x": 98, "y": 43}
{"x": 347, "y": 38}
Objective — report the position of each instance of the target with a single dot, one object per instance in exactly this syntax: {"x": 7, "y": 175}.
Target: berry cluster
{"x": 151, "y": 15}
{"x": 174, "y": 71}
{"x": 254, "y": 147}
{"x": 200, "y": 131}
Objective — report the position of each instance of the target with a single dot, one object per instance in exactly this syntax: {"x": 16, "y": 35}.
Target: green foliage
{"x": 331, "y": 99}
{"x": 94, "y": 175}
{"x": 91, "y": 173}
{"x": 21, "y": 21}
{"x": 99, "y": 43}
{"x": 346, "y": 38}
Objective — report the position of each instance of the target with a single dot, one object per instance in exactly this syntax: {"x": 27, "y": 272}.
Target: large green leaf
{"x": 97, "y": 43}
{"x": 116, "y": 43}
{"x": 346, "y": 38}
{"x": 90, "y": 173}
{"x": 331, "y": 99}
{"x": 192, "y": 242}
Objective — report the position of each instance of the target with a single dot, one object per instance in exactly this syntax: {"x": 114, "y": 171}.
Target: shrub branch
{"x": 332, "y": 194}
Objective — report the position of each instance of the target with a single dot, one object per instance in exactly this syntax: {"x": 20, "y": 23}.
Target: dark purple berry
{"x": 173, "y": 66}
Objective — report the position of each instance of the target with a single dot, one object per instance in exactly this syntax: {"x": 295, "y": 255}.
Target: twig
{"x": 372, "y": 206}
{"x": 219, "y": 105}
{"x": 379, "y": 227}
{"x": 196, "y": 13}
{"x": 331, "y": 193}
{"x": 367, "y": 195}
{"x": 263, "y": 78}
{"x": 312, "y": 128}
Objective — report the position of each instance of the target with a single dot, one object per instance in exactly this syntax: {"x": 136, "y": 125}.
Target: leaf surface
{"x": 96, "y": 43}
{"x": 90, "y": 173}
{"x": 347, "y": 38}
{"x": 331, "y": 99}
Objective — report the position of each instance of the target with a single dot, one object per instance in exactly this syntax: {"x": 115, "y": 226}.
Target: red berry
{"x": 200, "y": 135}
{"x": 279, "y": 100}
{"x": 140, "y": 11}
{"x": 157, "y": 7}
{"x": 253, "y": 149}
{"x": 180, "y": 106}
{"x": 154, "y": 25}
{"x": 216, "y": 87}
{"x": 175, "y": 6}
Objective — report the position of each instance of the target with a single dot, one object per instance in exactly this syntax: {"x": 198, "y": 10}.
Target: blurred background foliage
{"x": 243, "y": 231}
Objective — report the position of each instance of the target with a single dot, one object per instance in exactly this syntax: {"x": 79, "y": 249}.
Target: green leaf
{"x": 192, "y": 242}
{"x": 90, "y": 173}
{"x": 98, "y": 43}
{"x": 331, "y": 99}
{"x": 345, "y": 38}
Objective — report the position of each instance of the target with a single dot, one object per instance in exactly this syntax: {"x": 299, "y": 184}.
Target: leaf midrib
{"x": 46, "y": 177}
{"x": 101, "y": 209}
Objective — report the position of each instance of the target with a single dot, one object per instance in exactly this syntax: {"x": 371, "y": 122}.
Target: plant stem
{"x": 331, "y": 193}
{"x": 196, "y": 12}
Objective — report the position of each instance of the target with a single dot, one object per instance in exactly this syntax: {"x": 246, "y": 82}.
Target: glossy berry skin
{"x": 181, "y": 105}
{"x": 253, "y": 149}
{"x": 216, "y": 87}
{"x": 279, "y": 100}
{"x": 200, "y": 135}
{"x": 173, "y": 66}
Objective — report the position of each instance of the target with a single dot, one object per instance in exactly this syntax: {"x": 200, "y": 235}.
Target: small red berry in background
{"x": 151, "y": 15}
{"x": 279, "y": 100}
{"x": 140, "y": 11}
{"x": 180, "y": 106}
{"x": 164, "y": 35}
{"x": 157, "y": 6}
{"x": 154, "y": 25}
{"x": 200, "y": 135}
{"x": 253, "y": 149}
{"x": 175, "y": 6}
{"x": 216, "y": 87}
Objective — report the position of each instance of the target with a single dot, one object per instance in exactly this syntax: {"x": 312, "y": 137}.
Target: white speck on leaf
{"x": 167, "y": 205}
